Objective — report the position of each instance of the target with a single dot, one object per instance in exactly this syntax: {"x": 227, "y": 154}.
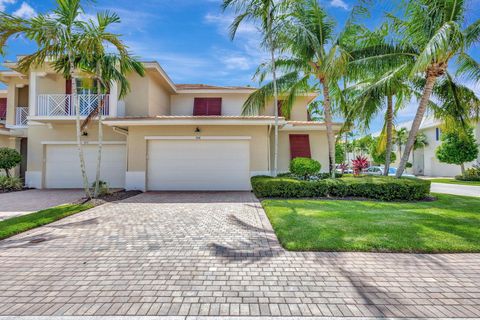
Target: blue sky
{"x": 189, "y": 38}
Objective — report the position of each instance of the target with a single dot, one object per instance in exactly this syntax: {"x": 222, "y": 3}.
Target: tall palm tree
{"x": 387, "y": 93}
{"x": 62, "y": 36}
{"x": 316, "y": 55}
{"x": 107, "y": 70}
{"x": 434, "y": 30}
{"x": 267, "y": 13}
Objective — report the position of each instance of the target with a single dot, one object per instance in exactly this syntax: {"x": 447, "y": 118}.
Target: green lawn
{"x": 453, "y": 181}
{"x": 450, "y": 224}
{"x": 20, "y": 224}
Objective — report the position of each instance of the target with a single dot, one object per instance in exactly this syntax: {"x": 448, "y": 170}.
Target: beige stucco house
{"x": 161, "y": 136}
{"x": 424, "y": 160}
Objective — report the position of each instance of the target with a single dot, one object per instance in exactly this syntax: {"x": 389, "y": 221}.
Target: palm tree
{"x": 107, "y": 70}
{"x": 317, "y": 55}
{"x": 434, "y": 30}
{"x": 376, "y": 95}
{"x": 401, "y": 137}
{"x": 268, "y": 14}
{"x": 62, "y": 38}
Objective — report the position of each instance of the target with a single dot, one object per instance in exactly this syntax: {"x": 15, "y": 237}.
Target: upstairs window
{"x": 3, "y": 108}
{"x": 300, "y": 146}
{"x": 207, "y": 107}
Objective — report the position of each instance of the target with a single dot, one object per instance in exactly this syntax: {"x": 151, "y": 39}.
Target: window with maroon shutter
{"x": 300, "y": 146}
{"x": 3, "y": 108}
{"x": 68, "y": 86}
{"x": 207, "y": 107}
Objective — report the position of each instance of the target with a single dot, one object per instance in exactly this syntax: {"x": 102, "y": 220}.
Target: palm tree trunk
{"x": 462, "y": 167}
{"x": 389, "y": 134}
{"x": 76, "y": 107}
{"x": 275, "y": 97}
{"x": 427, "y": 92}
{"x": 329, "y": 124}
{"x": 100, "y": 143}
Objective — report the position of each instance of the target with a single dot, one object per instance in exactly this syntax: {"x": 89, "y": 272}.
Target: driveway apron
{"x": 215, "y": 254}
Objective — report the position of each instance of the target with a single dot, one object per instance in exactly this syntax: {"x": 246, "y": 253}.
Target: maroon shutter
{"x": 68, "y": 86}
{"x": 207, "y": 107}
{"x": 214, "y": 106}
{"x": 200, "y": 107}
{"x": 300, "y": 146}
{"x": 3, "y": 108}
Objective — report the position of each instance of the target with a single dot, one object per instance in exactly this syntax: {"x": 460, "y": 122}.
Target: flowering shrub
{"x": 359, "y": 164}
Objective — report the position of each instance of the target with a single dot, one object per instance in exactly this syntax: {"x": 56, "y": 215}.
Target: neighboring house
{"x": 161, "y": 136}
{"x": 424, "y": 160}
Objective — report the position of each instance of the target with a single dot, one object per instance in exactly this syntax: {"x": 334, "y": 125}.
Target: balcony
{"x": 61, "y": 105}
{"x": 21, "y": 117}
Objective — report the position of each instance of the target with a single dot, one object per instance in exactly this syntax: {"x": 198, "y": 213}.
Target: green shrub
{"x": 380, "y": 188}
{"x": 103, "y": 188}
{"x": 318, "y": 176}
{"x": 10, "y": 183}
{"x": 472, "y": 174}
{"x": 9, "y": 158}
{"x": 305, "y": 167}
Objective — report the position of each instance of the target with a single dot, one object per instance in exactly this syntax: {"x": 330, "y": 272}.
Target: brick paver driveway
{"x": 215, "y": 254}
{"x": 18, "y": 203}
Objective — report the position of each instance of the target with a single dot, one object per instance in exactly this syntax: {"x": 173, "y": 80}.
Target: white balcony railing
{"x": 58, "y": 105}
{"x": 21, "y": 116}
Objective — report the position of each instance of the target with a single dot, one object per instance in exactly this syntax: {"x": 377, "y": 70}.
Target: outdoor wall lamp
{"x": 197, "y": 130}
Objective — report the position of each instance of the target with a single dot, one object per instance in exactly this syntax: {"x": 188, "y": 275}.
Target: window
{"x": 437, "y": 134}
{"x": 3, "y": 108}
{"x": 300, "y": 146}
{"x": 207, "y": 107}
{"x": 84, "y": 86}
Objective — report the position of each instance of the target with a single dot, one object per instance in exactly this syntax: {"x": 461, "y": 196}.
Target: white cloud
{"x": 339, "y": 4}
{"x": 25, "y": 11}
{"x": 237, "y": 62}
{"x": 223, "y": 22}
{"x": 3, "y": 3}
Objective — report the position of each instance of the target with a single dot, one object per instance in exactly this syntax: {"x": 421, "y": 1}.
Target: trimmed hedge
{"x": 380, "y": 188}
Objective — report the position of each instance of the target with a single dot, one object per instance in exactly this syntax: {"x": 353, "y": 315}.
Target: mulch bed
{"x": 114, "y": 196}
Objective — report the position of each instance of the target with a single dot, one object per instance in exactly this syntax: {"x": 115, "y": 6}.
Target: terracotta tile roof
{"x": 310, "y": 123}
{"x": 209, "y": 87}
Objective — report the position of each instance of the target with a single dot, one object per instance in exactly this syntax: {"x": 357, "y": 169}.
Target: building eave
{"x": 191, "y": 120}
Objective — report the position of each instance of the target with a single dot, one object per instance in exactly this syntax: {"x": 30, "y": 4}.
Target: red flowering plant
{"x": 359, "y": 164}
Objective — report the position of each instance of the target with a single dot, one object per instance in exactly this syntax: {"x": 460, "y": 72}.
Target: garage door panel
{"x": 198, "y": 165}
{"x": 63, "y": 165}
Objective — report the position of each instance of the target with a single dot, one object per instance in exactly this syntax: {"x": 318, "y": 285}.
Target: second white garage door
{"x": 63, "y": 165}
{"x": 198, "y": 165}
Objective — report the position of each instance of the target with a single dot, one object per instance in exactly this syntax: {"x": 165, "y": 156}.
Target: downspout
{"x": 123, "y": 132}
{"x": 269, "y": 149}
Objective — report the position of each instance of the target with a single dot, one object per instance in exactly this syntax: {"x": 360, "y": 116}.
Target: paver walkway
{"x": 216, "y": 254}
{"x": 18, "y": 203}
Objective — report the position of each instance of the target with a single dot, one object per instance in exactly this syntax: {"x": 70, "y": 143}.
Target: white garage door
{"x": 63, "y": 166}
{"x": 198, "y": 165}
